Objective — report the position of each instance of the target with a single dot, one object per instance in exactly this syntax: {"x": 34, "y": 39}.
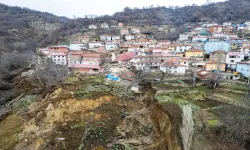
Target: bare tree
{"x": 237, "y": 122}
{"x": 194, "y": 70}
{"x": 10, "y": 65}
{"x": 187, "y": 129}
{"x": 218, "y": 58}
{"x": 48, "y": 74}
{"x": 248, "y": 81}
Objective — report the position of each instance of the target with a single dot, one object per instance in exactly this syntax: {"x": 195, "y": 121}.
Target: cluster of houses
{"x": 203, "y": 47}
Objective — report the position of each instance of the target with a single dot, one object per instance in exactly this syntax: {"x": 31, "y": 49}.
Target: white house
{"x": 173, "y": 67}
{"x": 116, "y": 37}
{"x": 210, "y": 24}
{"x": 227, "y": 24}
{"x": 183, "y": 37}
{"x": 247, "y": 23}
{"x": 111, "y": 46}
{"x": 75, "y": 47}
{"x": 59, "y": 58}
{"x": 104, "y": 25}
{"x": 244, "y": 68}
{"x": 135, "y": 30}
{"x": 135, "y": 48}
{"x": 92, "y": 26}
{"x": 232, "y": 58}
{"x": 105, "y": 37}
{"x": 95, "y": 44}
{"x": 129, "y": 37}
{"x": 182, "y": 48}
{"x": 199, "y": 39}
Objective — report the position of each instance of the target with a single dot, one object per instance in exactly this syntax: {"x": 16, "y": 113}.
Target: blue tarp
{"x": 112, "y": 77}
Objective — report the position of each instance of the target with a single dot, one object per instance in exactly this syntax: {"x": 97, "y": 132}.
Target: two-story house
{"x": 129, "y": 37}
{"x": 59, "y": 58}
{"x": 174, "y": 66}
{"x": 232, "y": 58}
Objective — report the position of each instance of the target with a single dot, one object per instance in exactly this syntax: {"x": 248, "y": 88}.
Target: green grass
{"x": 239, "y": 87}
{"x": 213, "y": 122}
{"x": 72, "y": 79}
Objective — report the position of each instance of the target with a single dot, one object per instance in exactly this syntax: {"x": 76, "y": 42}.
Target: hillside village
{"x": 154, "y": 78}
{"x": 205, "y": 48}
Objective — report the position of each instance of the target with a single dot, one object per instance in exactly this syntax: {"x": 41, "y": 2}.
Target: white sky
{"x": 80, "y": 8}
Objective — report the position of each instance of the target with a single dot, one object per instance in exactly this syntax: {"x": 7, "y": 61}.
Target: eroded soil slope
{"x": 89, "y": 113}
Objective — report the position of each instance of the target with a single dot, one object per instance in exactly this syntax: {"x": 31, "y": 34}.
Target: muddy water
{"x": 10, "y": 127}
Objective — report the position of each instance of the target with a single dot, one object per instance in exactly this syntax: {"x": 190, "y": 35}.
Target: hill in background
{"x": 25, "y": 29}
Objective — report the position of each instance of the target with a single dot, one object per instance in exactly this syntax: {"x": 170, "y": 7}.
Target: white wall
{"x": 59, "y": 60}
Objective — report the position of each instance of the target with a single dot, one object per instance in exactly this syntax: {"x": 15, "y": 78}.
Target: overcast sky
{"x": 80, "y": 8}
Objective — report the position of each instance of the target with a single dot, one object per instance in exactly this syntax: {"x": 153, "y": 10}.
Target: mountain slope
{"x": 23, "y": 29}
{"x": 232, "y": 10}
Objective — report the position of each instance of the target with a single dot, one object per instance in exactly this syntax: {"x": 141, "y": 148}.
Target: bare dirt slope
{"x": 85, "y": 113}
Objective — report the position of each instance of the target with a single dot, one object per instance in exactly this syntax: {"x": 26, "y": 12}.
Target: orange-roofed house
{"x": 213, "y": 65}
{"x": 194, "y": 53}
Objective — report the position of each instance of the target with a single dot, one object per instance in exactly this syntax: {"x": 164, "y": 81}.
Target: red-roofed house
{"x": 125, "y": 58}
{"x": 85, "y": 62}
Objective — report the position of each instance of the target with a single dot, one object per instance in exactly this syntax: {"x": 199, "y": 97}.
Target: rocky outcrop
{"x": 45, "y": 26}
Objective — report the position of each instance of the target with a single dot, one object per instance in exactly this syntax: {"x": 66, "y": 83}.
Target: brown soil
{"x": 61, "y": 121}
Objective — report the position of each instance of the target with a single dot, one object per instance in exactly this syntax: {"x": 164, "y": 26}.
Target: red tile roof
{"x": 125, "y": 56}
